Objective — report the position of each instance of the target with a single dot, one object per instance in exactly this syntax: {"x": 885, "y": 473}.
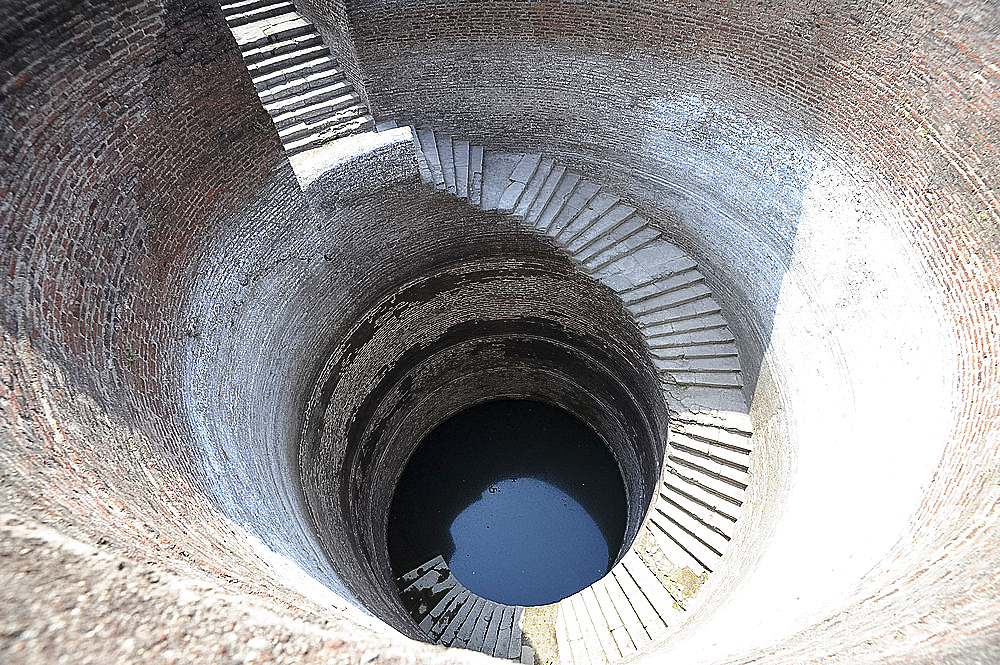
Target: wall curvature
{"x": 173, "y": 303}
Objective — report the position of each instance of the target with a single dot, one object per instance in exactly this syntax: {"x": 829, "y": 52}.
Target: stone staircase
{"x": 709, "y": 441}
{"x": 451, "y": 615}
{"x": 299, "y": 83}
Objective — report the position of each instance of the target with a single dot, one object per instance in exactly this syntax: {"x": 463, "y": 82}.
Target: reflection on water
{"x": 521, "y": 530}
{"x": 522, "y": 499}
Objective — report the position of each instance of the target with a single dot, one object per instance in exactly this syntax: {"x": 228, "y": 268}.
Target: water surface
{"x": 522, "y": 499}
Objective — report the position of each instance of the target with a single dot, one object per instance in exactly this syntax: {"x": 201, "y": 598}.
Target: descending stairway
{"x": 299, "y": 83}
{"x": 451, "y": 615}
{"x": 706, "y": 470}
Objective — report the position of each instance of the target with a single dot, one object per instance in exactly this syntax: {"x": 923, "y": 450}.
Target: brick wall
{"x": 151, "y": 229}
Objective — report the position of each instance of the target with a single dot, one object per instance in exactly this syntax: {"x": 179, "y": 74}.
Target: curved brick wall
{"x": 170, "y": 296}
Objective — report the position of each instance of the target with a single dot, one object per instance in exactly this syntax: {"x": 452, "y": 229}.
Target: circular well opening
{"x": 523, "y": 500}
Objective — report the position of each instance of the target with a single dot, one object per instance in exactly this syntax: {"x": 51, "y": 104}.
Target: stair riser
{"x": 260, "y": 14}
{"x": 279, "y": 90}
{"x": 311, "y": 98}
{"x": 285, "y": 55}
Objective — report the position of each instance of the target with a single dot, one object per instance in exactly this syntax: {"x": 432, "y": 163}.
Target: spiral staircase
{"x": 706, "y": 486}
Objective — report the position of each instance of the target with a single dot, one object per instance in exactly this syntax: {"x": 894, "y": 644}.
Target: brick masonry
{"x": 150, "y": 224}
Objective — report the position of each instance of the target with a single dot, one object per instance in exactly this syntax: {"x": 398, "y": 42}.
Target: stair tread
{"x": 600, "y": 624}
{"x": 534, "y": 186}
{"x": 462, "y": 157}
{"x": 476, "y": 156}
{"x": 558, "y": 201}
{"x": 497, "y": 169}
{"x": 428, "y": 144}
{"x": 447, "y": 156}
{"x": 610, "y": 587}
{"x": 660, "y": 599}
{"x": 548, "y": 188}
{"x": 640, "y": 237}
{"x": 577, "y": 203}
{"x": 311, "y": 98}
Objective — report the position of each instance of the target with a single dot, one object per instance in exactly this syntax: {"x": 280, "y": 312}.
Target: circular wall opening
{"x": 523, "y": 327}
{"x": 523, "y": 500}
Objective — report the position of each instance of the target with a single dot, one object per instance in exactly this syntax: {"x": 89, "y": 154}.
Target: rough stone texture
{"x": 167, "y": 303}
{"x": 330, "y": 19}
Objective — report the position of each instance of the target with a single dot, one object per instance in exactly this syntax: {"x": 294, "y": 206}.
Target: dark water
{"x": 522, "y": 499}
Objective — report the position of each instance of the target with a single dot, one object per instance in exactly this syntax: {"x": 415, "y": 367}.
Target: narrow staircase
{"x": 706, "y": 470}
{"x": 298, "y": 80}
{"x": 451, "y": 615}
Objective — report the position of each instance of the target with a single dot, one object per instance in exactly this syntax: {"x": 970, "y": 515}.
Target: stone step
{"x": 658, "y": 597}
{"x": 570, "y": 637}
{"x": 314, "y": 98}
{"x": 447, "y": 156}
{"x": 452, "y": 590}
{"x": 459, "y": 619}
{"x": 427, "y": 141}
{"x": 609, "y": 590}
{"x": 423, "y": 166}
{"x": 557, "y": 202}
{"x": 726, "y": 489}
{"x": 533, "y": 187}
{"x": 497, "y": 169}
{"x": 516, "y": 634}
{"x": 717, "y": 511}
{"x": 641, "y": 238}
{"x": 260, "y": 13}
{"x": 709, "y": 518}
{"x": 658, "y": 259}
{"x": 602, "y": 626}
{"x": 671, "y": 298}
{"x": 579, "y": 201}
{"x": 725, "y": 453}
{"x": 509, "y": 634}
{"x": 479, "y": 633}
{"x": 408, "y": 578}
{"x": 650, "y": 619}
{"x": 348, "y": 123}
{"x": 244, "y": 6}
{"x": 328, "y": 125}
{"x": 729, "y": 431}
{"x": 462, "y": 157}
{"x": 697, "y": 363}
{"x": 313, "y": 75}
{"x": 695, "y": 483}
{"x": 447, "y": 617}
{"x": 693, "y": 316}
{"x": 733, "y": 473}
{"x": 317, "y": 110}
{"x": 711, "y": 329}
{"x": 710, "y": 379}
{"x": 271, "y": 31}
{"x": 672, "y": 531}
{"x": 548, "y": 187}
{"x": 518, "y": 181}
{"x": 591, "y": 641}
{"x": 468, "y": 627}
{"x": 492, "y": 636}
{"x": 647, "y": 295}
{"x": 476, "y": 157}
{"x": 603, "y": 231}
{"x": 714, "y": 541}
{"x": 695, "y": 351}
{"x": 277, "y": 59}
{"x": 568, "y": 226}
